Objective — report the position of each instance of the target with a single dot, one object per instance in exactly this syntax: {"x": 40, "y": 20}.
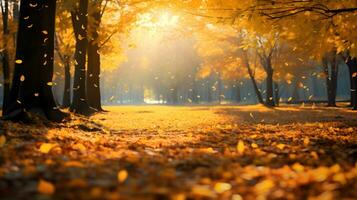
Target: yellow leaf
{"x": 280, "y": 146}
{"x": 298, "y": 167}
{"x": 254, "y": 145}
{"x": 79, "y": 147}
{"x": 222, "y": 187}
{"x": 45, "y": 187}
{"x": 2, "y": 140}
{"x": 46, "y": 147}
{"x": 240, "y": 147}
{"x": 202, "y": 190}
{"x": 73, "y": 164}
{"x": 122, "y": 176}
{"x": 264, "y": 186}
{"x": 18, "y": 61}
{"x": 306, "y": 141}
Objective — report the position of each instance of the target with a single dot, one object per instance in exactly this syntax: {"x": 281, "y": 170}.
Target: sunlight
{"x": 158, "y": 20}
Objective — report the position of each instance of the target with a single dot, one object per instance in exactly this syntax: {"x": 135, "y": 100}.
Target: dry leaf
{"x": 45, "y": 187}
{"x": 122, "y": 176}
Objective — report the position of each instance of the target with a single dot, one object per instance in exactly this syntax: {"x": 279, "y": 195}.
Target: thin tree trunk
{"x": 80, "y": 22}
{"x": 331, "y": 73}
{"x": 252, "y": 78}
{"x": 32, "y": 82}
{"x": 220, "y": 93}
{"x": 66, "y": 102}
{"x": 270, "y": 87}
{"x": 5, "y": 53}
{"x": 352, "y": 66}
{"x": 238, "y": 94}
{"x": 277, "y": 93}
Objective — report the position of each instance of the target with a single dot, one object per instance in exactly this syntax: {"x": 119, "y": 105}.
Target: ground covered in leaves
{"x": 178, "y": 153}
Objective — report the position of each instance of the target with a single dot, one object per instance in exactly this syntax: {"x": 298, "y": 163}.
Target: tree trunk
{"x": 270, "y": 87}
{"x": 80, "y": 23}
{"x": 252, "y": 78}
{"x": 331, "y": 73}
{"x": 277, "y": 93}
{"x": 66, "y": 102}
{"x": 93, "y": 71}
{"x": 220, "y": 93}
{"x": 5, "y": 53}
{"x": 32, "y": 82}
{"x": 296, "y": 95}
{"x": 352, "y": 66}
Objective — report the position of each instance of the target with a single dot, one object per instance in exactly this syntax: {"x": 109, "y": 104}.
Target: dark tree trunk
{"x": 93, "y": 71}
{"x": 66, "y": 102}
{"x": 220, "y": 92}
{"x": 296, "y": 95}
{"x": 352, "y": 65}
{"x": 270, "y": 87}
{"x": 80, "y": 22}
{"x": 5, "y": 53}
{"x": 252, "y": 78}
{"x": 331, "y": 73}
{"x": 32, "y": 82}
{"x": 277, "y": 93}
{"x": 209, "y": 92}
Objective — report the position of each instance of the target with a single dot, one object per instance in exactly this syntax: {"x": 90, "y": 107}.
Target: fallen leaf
{"x": 240, "y": 147}
{"x": 222, "y": 187}
{"x": 45, "y": 187}
{"x": 46, "y": 147}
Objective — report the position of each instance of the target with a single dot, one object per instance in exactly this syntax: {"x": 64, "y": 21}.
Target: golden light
{"x": 158, "y": 20}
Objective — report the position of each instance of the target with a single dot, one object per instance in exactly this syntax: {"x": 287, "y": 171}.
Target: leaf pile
{"x": 180, "y": 153}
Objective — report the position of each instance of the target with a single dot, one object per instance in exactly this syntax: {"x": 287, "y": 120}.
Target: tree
{"x": 32, "y": 82}
{"x": 5, "y": 52}
{"x": 80, "y": 22}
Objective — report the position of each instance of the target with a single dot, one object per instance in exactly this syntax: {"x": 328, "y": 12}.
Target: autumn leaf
{"x": 122, "y": 176}
{"x": 46, "y": 147}
{"x": 240, "y": 147}
{"x": 222, "y": 187}
{"x": 45, "y": 187}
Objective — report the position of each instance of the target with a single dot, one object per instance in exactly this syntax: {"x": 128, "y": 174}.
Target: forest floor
{"x": 178, "y": 153}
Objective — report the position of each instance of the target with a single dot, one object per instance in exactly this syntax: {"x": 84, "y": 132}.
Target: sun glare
{"x": 158, "y": 20}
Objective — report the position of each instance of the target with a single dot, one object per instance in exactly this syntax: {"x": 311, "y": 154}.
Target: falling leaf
{"x": 122, "y": 176}
{"x": 240, "y": 147}
{"x": 18, "y": 61}
{"x": 22, "y": 78}
{"x": 46, "y": 147}
{"x": 45, "y": 187}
